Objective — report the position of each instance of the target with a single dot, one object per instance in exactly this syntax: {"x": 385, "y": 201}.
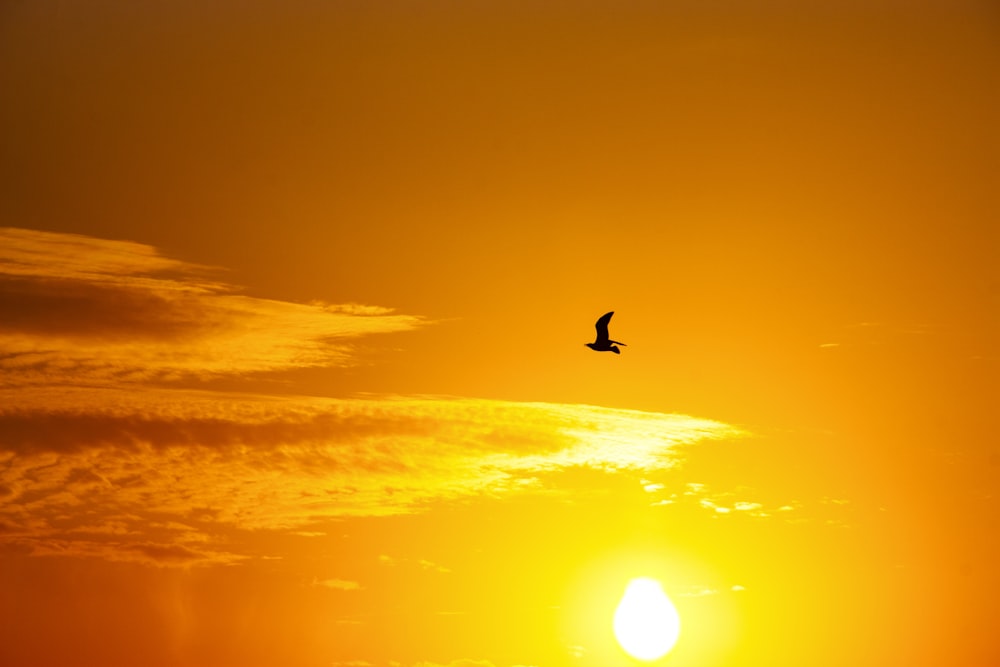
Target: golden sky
{"x": 293, "y": 298}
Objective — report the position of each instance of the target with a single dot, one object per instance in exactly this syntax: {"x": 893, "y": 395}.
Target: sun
{"x": 646, "y": 623}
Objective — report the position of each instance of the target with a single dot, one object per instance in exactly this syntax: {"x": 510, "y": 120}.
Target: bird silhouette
{"x": 603, "y": 342}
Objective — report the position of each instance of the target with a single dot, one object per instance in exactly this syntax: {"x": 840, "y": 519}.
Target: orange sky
{"x": 293, "y": 298}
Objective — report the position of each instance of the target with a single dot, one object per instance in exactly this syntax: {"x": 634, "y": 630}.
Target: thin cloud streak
{"x": 55, "y": 255}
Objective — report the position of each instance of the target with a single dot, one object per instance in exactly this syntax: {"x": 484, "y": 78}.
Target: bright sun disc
{"x": 646, "y": 622}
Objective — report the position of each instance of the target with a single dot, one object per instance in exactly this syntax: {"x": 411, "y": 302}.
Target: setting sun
{"x": 646, "y": 623}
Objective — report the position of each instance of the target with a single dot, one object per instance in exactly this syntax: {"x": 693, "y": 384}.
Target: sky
{"x": 293, "y": 304}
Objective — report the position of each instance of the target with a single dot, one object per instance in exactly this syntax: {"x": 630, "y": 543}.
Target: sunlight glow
{"x": 646, "y": 623}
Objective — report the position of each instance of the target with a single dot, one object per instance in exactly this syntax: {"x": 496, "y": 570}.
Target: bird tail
{"x": 615, "y": 350}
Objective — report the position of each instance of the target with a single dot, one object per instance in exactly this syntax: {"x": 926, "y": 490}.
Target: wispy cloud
{"x": 116, "y": 311}
{"x": 724, "y": 503}
{"x": 869, "y": 335}
{"x": 145, "y": 552}
{"x": 337, "y": 584}
{"x": 703, "y": 591}
{"x": 464, "y": 662}
{"x": 422, "y": 563}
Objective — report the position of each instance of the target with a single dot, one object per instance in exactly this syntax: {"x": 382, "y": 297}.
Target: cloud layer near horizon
{"x": 102, "y": 456}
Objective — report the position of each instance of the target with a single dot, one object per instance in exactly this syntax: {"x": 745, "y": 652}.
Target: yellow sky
{"x": 293, "y": 299}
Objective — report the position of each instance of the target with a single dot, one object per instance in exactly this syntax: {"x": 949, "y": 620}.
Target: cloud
{"x": 696, "y": 592}
{"x": 422, "y": 563}
{"x": 189, "y": 467}
{"x": 465, "y": 662}
{"x": 116, "y": 311}
{"x": 432, "y": 566}
{"x": 744, "y": 506}
{"x": 719, "y": 503}
{"x": 28, "y": 252}
{"x": 702, "y": 591}
{"x": 855, "y": 337}
{"x": 159, "y": 554}
{"x": 337, "y": 584}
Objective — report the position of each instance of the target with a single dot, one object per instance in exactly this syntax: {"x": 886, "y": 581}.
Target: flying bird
{"x": 603, "y": 342}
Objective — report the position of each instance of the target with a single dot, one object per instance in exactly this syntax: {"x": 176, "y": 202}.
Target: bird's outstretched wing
{"x": 602, "y": 327}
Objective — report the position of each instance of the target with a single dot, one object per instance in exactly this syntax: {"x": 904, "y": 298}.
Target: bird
{"x": 603, "y": 342}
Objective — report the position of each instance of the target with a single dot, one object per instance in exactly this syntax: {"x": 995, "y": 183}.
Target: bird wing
{"x": 602, "y": 327}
